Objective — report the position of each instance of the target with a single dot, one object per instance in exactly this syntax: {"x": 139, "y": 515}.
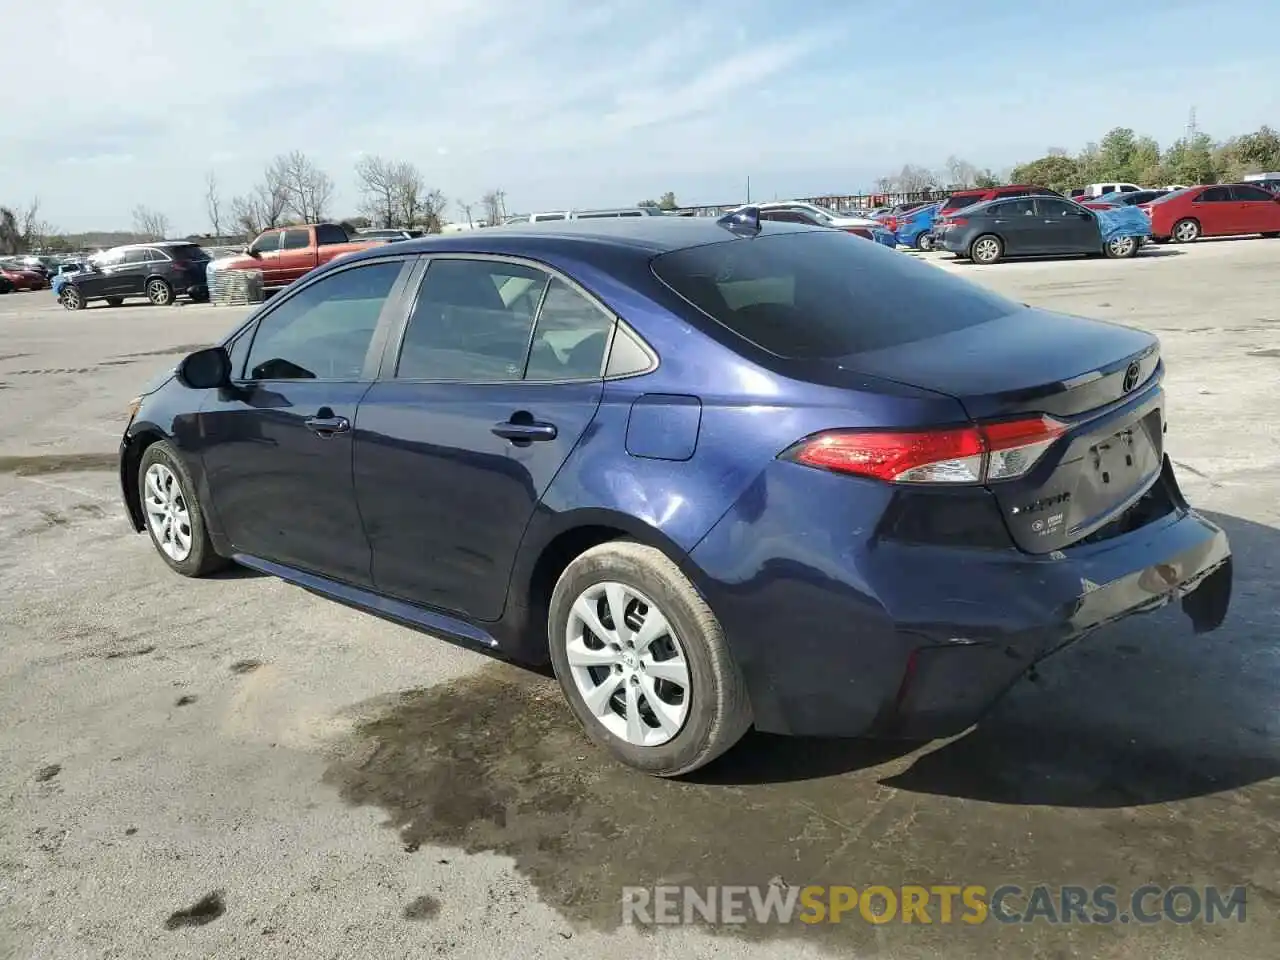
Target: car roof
{"x": 646, "y": 236}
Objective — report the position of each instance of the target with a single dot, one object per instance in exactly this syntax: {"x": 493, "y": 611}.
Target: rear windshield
{"x": 818, "y": 294}
{"x": 961, "y": 200}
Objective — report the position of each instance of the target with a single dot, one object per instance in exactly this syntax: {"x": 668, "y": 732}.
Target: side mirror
{"x": 253, "y": 253}
{"x": 206, "y": 369}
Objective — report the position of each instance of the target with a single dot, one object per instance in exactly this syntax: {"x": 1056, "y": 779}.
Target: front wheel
{"x": 173, "y": 515}
{"x": 643, "y": 661}
{"x": 986, "y": 249}
{"x": 159, "y": 292}
{"x": 1184, "y": 231}
{"x": 1121, "y": 248}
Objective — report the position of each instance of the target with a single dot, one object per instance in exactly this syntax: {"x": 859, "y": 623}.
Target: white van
{"x": 586, "y": 215}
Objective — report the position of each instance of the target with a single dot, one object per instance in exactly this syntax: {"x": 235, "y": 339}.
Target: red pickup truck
{"x": 284, "y": 254}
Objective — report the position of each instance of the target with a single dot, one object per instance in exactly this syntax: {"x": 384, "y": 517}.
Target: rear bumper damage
{"x": 916, "y": 641}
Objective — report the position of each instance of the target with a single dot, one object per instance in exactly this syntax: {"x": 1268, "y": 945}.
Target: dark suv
{"x": 161, "y": 272}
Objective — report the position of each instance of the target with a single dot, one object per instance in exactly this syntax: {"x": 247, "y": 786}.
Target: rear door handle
{"x": 326, "y": 427}
{"x": 525, "y": 432}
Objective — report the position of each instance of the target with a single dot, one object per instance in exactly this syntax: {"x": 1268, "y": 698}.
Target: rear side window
{"x": 824, "y": 294}
{"x": 190, "y": 252}
{"x": 472, "y": 321}
{"x": 570, "y": 338}
{"x": 1023, "y": 207}
{"x": 296, "y": 239}
{"x": 327, "y": 233}
{"x": 1215, "y": 195}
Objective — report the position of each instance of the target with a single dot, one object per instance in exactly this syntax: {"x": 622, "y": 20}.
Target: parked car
{"x": 393, "y": 234}
{"x": 865, "y": 228}
{"x": 916, "y": 228}
{"x": 1126, "y": 199}
{"x": 967, "y": 198}
{"x": 1267, "y": 181}
{"x": 718, "y": 472}
{"x": 1027, "y": 227}
{"x": 284, "y": 254}
{"x": 21, "y": 277}
{"x": 1224, "y": 210}
{"x": 161, "y": 272}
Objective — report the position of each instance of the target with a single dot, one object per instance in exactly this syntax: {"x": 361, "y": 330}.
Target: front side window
{"x": 472, "y": 321}
{"x": 324, "y": 330}
{"x": 266, "y": 243}
{"x": 1056, "y": 208}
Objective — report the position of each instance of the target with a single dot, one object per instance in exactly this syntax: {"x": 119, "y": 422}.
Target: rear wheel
{"x": 1122, "y": 248}
{"x": 114, "y": 301}
{"x": 159, "y": 292}
{"x": 1184, "y": 231}
{"x": 924, "y": 242}
{"x": 643, "y": 661}
{"x": 986, "y": 249}
{"x": 72, "y": 298}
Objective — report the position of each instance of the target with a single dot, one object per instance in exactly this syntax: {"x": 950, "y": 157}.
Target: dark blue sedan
{"x": 718, "y": 473}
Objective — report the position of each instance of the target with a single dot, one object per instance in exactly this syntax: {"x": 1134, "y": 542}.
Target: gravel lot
{"x": 235, "y": 767}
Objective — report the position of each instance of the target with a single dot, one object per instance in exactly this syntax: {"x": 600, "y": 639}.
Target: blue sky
{"x": 600, "y": 102}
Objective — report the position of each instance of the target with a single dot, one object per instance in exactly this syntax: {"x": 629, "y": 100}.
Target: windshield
{"x": 824, "y": 294}
{"x": 960, "y": 200}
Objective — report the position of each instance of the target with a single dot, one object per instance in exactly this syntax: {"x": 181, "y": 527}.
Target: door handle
{"x": 326, "y": 427}
{"x": 524, "y": 432}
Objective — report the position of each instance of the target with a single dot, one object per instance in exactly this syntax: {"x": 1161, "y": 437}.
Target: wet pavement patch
{"x": 205, "y": 910}
{"x": 421, "y": 908}
{"x": 245, "y": 666}
{"x": 126, "y": 654}
{"x": 496, "y": 763}
{"x": 48, "y": 772}
{"x": 59, "y": 463}
{"x": 185, "y": 700}
{"x": 1270, "y": 352}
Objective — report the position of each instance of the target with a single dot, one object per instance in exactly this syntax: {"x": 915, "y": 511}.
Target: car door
{"x": 96, "y": 278}
{"x": 468, "y": 424}
{"x": 1016, "y": 223}
{"x": 1257, "y": 209}
{"x": 267, "y": 251}
{"x": 1067, "y": 227}
{"x": 297, "y": 256}
{"x": 277, "y": 448}
{"x": 1217, "y": 213}
{"x": 130, "y": 278}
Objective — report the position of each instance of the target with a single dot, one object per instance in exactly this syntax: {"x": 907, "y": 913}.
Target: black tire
{"x": 924, "y": 241}
{"x": 202, "y": 559}
{"x": 1115, "y": 250}
{"x": 719, "y": 712}
{"x": 114, "y": 301}
{"x": 72, "y": 298}
{"x": 159, "y": 292}
{"x": 1270, "y": 236}
{"x": 980, "y": 244}
{"x": 1193, "y": 230}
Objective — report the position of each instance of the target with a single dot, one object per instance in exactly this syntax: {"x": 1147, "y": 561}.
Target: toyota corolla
{"x": 717, "y": 473}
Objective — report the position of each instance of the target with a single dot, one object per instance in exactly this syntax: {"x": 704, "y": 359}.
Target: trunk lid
{"x": 1100, "y": 379}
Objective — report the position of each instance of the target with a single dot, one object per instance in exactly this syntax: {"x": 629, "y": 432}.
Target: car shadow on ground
{"x": 1141, "y": 712}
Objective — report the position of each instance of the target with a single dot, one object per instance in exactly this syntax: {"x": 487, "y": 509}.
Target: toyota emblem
{"x": 1131, "y": 376}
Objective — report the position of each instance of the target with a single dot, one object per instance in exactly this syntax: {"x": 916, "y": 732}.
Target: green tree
{"x": 1056, "y": 172}
{"x": 1256, "y": 152}
{"x": 986, "y": 178}
{"x": 1192, "y": 161}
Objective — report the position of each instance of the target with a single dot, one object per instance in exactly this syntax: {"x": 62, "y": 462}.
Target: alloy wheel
{"x": 1186, "y": 231}
{"x": 167, "y": 513}
{"x": 1122, "y": 246}
{"x": 986, "y": 250}
{"x": 158, "y": 292}
{"x": 71, "y": 298}
{"x": 628, "y": 664}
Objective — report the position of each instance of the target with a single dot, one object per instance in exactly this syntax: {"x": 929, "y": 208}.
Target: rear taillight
{"x": 972, "y": 454}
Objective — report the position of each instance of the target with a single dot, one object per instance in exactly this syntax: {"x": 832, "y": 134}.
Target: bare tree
{"x": 213, "y": 203}
{"x": 433, "y": 207}
{"x": 960, "y": 173}
{"x": 407, "y": 192}
{"x": 377, "y": 190}
{"x": 466, "y": 212}
{"x": 11, "y": 239}
{"x": 306, "y": 187}
{"x": 264, "y": 206}
{"x": 495, "y": 207}
{"x": 152, "y": 224}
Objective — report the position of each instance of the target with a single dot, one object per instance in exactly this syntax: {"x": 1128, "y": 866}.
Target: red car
{"x": 23, "y": 279}
{"x": 1223, "y": 210}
